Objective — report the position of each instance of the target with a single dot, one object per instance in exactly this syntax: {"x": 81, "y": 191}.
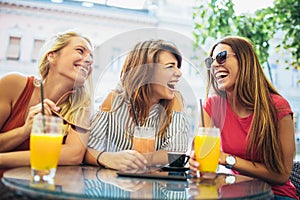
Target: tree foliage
{"x": 217, "y": 18}
{"x": 287, "y": 13}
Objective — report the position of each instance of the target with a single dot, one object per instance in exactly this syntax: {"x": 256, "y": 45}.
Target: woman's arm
{"x": 286, "y": 135}
{"x": 123, "y": 160}
{"x": 11, "y": 139}
{"x": 72, "y": 152}
{"x": 258, "y": 170}
{"x": 14, "y": 159}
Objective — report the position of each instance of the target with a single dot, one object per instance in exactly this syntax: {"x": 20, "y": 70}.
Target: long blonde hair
{"x": 79, "y": 101}
{"x": 252, "y": 90}
{"x": 136, "y": 77}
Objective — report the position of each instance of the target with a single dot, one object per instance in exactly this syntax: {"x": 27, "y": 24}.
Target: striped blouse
{"x": 108, "y": 131}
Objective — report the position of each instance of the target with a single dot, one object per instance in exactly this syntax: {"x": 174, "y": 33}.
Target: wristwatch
{"x": 230, "y": 179}
{"x": 230, "y": 161}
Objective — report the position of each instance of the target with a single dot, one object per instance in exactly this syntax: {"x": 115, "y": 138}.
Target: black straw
{"x": 134, "y": 113}
{"x": 42, "y": 97}
{"x": 43, "y": 109}
{"x": 202, "y": 116}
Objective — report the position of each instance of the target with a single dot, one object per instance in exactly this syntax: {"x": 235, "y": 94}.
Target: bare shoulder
{"x": 106, "y": 105}
{"x": 178, "y": 103}
{"x": 12, "y": 85}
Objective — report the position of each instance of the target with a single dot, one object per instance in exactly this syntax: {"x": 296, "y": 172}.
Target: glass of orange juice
{"x": 207, "y": 151}
{"x": 144, "y": 141}
{"x": 45, "y": 144}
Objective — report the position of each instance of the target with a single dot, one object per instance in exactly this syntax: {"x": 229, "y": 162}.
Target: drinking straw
{"x": 134, "y": 113}
{"x": 43, "y": 109}
{"x": 42, "y": 98}
{"x": 202, "y": 116}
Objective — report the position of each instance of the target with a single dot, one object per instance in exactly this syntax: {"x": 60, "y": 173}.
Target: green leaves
{"x": 217, "y": 18}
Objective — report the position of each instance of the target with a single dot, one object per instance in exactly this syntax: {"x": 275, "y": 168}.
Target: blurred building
{"x": 113, "y": 28}
{"x": 26, "y": 24}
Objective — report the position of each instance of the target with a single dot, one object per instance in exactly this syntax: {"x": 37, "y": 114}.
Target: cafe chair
{"x": 295, "y": 176}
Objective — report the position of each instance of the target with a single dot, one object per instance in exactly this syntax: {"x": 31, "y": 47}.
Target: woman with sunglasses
{"x": 65, "y": 68}
{"x": 148, "y": 80}
{"x": 256, "y": 122}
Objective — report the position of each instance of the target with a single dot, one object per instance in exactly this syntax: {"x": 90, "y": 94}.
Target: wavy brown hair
{"x": 252, "y": 90}
{"x": 136, "y": 76}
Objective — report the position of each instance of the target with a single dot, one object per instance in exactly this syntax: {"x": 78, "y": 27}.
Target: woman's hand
{"x": 37, "y": 109}
{"x": 194, "y": 165}
{"x": 126, "y": 160}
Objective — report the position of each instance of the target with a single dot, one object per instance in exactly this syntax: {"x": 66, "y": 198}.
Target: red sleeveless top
{"x": 17, "y": 117}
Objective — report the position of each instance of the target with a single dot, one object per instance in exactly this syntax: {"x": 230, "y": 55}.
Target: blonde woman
{"x": 256, "y": 122}
{"x": 149, "y": 77}
{"x": 65, "y": 66}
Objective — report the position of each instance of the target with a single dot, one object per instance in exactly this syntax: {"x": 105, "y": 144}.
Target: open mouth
{"x": 84, "y": 71}
{"x": 172, "y": 85}
{"x": 221, "y": 75}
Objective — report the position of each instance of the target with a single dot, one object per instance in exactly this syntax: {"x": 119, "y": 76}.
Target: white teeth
{"x": 220, "y": 75}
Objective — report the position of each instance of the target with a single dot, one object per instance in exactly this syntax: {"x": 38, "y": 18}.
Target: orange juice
{"x": 144, "y": 145}
{"x": 45, "y": 150}
{"x": 207, "y": 151}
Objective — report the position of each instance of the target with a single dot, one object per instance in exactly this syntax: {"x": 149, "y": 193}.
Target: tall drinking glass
{"x": 207, "y": 151}
{"x": 144, "y": 141}
{"x": 45, "y": 144}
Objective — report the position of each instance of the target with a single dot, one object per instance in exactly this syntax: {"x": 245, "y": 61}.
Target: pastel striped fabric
{"x": 109, "y": 131}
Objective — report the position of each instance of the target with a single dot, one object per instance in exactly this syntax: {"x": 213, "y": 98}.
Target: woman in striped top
{"x": 148, "y": 77}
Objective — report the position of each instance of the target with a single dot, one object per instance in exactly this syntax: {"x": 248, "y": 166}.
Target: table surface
{"x": 90, "y": 182}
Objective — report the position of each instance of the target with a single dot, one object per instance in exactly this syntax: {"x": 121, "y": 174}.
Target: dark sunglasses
{"x": 220, "y": 58}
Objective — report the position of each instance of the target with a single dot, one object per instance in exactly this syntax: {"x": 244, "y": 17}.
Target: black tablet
{"x": 167, "y": 175}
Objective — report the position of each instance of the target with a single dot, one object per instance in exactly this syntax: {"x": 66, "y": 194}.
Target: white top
{"x": 108, "y": 131}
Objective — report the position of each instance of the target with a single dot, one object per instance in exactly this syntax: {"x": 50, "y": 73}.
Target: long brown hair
{"x": 136, "y": 77}
{"x": 252, "y": 90}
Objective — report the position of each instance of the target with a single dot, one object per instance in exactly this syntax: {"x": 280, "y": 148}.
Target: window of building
{"x": 14, "y": 47}
{"x": 37, "y": 45}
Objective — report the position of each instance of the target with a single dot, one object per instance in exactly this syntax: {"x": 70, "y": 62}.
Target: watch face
{"x": 230, "y": 179}
{"x": 230, "y": 160}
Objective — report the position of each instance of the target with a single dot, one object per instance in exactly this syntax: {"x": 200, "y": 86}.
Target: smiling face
{"x": 166, "y": 76}
{"x": 225, "y": 74}
{"x": 73, "y": 62}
